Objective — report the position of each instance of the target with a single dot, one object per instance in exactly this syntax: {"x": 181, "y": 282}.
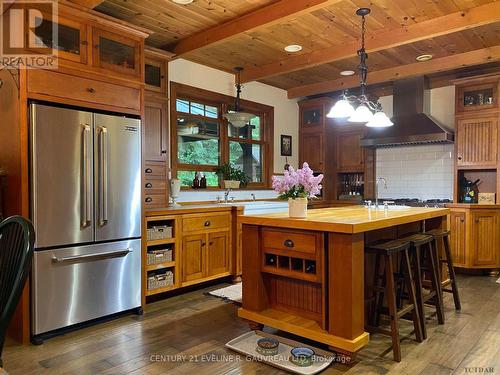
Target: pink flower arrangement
{"x": 300, "y": 183}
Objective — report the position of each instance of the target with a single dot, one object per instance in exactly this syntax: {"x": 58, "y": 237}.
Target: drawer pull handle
{"x": 149, "y": 200}
{"x": 207, "y": 223}
{"x": 91, "y": 90}
{"x": 288, "y": 243}
{"x": 163, "y": 151}
{"x": 149, "y": 185}
{"x": 149, "y": 170}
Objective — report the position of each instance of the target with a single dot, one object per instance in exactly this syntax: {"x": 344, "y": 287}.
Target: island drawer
{"x": 291, "y": 241}
{"x": 193, "y": 223}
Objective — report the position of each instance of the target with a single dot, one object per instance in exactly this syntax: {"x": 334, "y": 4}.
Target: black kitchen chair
{"x": 17, "y": 239}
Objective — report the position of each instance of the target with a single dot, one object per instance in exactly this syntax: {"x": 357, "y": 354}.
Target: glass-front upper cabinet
{"x": 155, "y": 72}
{"x": 117, "y": 53}
{"x": 66, "y": 36}
{"x": 477, "y": 97}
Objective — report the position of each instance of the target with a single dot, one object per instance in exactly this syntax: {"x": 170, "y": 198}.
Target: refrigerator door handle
{"x": 87, "y": 178}
{"x": 103, "y": 176}
{"x": 89, "y": 257}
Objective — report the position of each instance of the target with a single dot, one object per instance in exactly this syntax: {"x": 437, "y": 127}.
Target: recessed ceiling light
{"x": 425, "y": 57}
{"x": 293, "y": 48}
{"x": 347, "y": 73}
{"x": 183, "y": 2}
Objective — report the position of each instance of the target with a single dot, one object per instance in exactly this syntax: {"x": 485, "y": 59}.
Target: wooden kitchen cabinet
{"x": 485, "y": 238}
{"x": 475, "y": 235}
{"x": 350, "y": 155}
{"x": 193, "y": 257}
{"x": 155, "y": 129}
{"x": 218, "y": 254}
{"x": 313, "y": 114}
{"x": 72, "y": 44}
{"x": 117, "y": 53}
{"x": 477, "y": 142}
{"x": 206, "y": 247}
{"x": 311, "y": 150}
{"x": 458, "y": 238}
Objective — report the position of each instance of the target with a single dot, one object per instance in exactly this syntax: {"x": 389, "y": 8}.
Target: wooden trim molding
{"x": 451, "y": 23}
{"x": 277, "y": 12}
{"x": 222, "y": 102}
{"x": 460, "y": 60}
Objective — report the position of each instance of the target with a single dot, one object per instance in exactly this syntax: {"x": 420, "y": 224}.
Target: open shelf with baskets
{"x": 160, "y": 258}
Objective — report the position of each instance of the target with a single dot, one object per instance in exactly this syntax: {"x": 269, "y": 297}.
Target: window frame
{"x": 223, "y": 103}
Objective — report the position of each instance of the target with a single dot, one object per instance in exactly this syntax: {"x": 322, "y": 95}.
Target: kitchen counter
{"x": 350, "y": 219}
{"x": 191, "y": 208}
{"x": 307, "y": 276}
{"x": 473, "y": 205}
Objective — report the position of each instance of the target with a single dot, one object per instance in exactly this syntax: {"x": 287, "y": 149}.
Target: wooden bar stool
{"x": 385, "y": 284}
{"x": 444, "y": 234}
{"x": 425, "y": 259}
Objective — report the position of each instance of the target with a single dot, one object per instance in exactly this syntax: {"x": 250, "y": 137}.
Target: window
{"x": 206, "y": 140}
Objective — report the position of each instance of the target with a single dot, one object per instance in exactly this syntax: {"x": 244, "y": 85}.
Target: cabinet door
{"x": 155, "y": 129}
{"x": 155, "y": 75}
{"x": 485, "y": 237}
{"x": 311, "y": 150}
{"x": 193, "y": 257}
{"x": 477, "y": 142}
{"x": 350, "y": 155}
{"x": 311, "y": 117}
{"x": 218, "y": 254}
{"x": 71, "y": 43}
{"x": 458, "y": 228}
{"x": 117, "y": 53}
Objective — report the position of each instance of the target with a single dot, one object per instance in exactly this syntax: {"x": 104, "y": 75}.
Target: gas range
{"x": 414, "y": 202}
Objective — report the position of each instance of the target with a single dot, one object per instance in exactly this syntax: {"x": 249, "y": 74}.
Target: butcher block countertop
{"x": 473, "y": 205}
{"x": 350, "y": 219}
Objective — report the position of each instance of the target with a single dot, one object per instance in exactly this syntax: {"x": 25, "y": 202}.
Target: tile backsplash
{"x": 423, "y": 172}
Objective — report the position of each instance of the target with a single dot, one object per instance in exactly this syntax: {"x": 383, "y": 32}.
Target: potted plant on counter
{"x": 232, "y": 176}
{"x": 298, "y": 186}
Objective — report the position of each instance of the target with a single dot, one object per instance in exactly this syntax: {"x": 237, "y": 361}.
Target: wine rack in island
{"x": 160, "y": 255}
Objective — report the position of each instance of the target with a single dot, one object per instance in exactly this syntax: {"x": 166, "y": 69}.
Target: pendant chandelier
{"x": 367, "y": 111}
{"x": 238, "y": 118}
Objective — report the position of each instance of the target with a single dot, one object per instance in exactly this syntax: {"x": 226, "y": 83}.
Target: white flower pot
{"x": 231, "y": 184}
{"x": 297, "y": 208}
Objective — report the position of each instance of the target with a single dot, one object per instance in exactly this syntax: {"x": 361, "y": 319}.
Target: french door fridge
{"x": 86, "y": 209}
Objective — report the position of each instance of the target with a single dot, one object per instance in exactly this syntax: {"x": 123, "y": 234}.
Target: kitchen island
{"x": 307, "y": 276}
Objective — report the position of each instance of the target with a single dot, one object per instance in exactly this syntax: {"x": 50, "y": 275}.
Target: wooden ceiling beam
{"x": 91, "y": 4}
{"x": 269, "y": 15}
{"x": 451, "y": 23}
{"x": 461, "y": 60}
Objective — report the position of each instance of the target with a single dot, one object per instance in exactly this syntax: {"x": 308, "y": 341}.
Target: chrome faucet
{"x": 376, "y": 189}
{"x": 226, "y": 194}
{"x": 252, "y": 196}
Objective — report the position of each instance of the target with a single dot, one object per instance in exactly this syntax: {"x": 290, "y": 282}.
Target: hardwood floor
{"x": 176, "y": 332}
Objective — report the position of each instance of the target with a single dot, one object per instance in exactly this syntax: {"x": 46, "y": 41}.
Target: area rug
{"x": 230, "y": 293}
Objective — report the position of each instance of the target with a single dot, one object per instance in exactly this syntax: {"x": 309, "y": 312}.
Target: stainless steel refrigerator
{"x": 86, "y": 209}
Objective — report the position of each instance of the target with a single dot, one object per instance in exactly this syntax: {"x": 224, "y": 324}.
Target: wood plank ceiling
{"x": 399, "y": 30}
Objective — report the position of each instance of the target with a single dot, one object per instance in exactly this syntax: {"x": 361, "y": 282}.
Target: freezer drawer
{"x": 74, "y": 285}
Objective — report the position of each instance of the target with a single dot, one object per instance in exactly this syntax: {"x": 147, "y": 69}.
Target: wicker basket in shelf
{"x": 162, "y": 280}
{"x": 159, "y": 232}
{"x": 159, "y": 256}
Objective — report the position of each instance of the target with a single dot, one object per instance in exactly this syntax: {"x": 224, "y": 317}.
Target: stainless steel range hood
{"x": 412, "y": 124}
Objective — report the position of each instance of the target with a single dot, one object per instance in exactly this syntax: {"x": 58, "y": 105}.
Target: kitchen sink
{"x": 260, "y": 207}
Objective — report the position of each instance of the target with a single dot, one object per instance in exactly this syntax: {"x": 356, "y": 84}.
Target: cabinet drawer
{"x": 290, "y": 241}
{"x": 192, "y": 224}
{"x": 155, "y": 186}
{"x": 155, "y": 200}
{"x": 152, "y": 168}
{"x": 72, "y": 87}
